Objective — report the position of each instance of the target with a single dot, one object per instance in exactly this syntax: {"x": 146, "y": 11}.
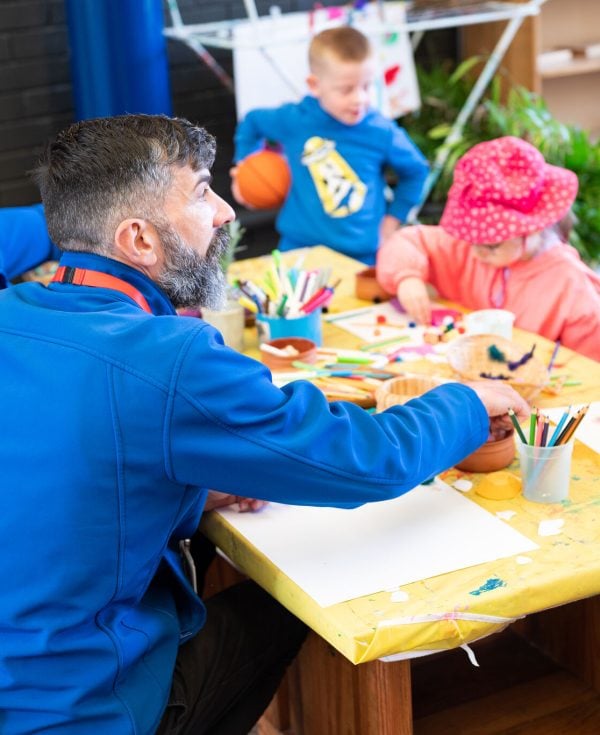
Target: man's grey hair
{"x": 96, "y": 173}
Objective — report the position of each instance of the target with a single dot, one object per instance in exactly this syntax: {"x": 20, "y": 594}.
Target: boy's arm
{"x": 24, "y": 240}
{"x": 256, "y": 127}
{"x": 411, "y": 168}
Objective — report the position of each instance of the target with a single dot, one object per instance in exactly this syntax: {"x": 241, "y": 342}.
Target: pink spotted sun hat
{"x": 503, "y": 189}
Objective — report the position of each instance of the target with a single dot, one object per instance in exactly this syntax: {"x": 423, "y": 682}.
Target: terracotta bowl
{"x": 491, "y": 456}
{"x": 367, "y": 288}
{"x": 307, "y": 352}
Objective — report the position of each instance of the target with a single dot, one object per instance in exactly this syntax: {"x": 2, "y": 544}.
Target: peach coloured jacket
{"x": 554, "y": 294}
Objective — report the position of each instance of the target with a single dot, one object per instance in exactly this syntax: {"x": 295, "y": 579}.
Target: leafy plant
{"x": 524, "y": 115}
{"x": 236, "y": 233}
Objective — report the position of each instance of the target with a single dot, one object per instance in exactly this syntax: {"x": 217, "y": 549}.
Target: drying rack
{"x": 220, "y": 34}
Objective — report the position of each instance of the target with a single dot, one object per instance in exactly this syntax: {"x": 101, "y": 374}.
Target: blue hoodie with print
{"x": 338, "y": 192}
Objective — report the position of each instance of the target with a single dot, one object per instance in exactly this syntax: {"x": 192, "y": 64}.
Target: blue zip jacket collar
{"x": 155, "y": 296}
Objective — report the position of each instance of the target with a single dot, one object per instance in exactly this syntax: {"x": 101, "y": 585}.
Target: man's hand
{"x": 497, "y": 399}
{"x": 216, "y": 499}
{"x": 412, "y": 294}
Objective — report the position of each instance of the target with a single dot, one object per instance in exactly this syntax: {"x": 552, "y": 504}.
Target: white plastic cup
{"x": 490, "y": 321}
{"x": 230, "y": 322}
{"x": 545, "y": 472}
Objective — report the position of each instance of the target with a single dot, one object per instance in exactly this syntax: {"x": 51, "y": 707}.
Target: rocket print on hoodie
{"x": 340, "y": 190}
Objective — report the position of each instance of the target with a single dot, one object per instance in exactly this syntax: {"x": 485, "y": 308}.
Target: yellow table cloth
{"x": 460, "y": 607}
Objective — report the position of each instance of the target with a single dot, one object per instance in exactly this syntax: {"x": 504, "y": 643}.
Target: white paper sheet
{"x": 588, "y": 431}
{"x": 366, "y": 325}
{"x": 336, "y": 555}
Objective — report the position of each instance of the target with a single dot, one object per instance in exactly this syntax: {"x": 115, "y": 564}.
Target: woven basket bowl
{"x": 396, "y": 391}
{"x": 469, "y": 356}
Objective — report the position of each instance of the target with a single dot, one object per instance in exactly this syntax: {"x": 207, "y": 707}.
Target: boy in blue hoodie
{"x": 337, "y": 148}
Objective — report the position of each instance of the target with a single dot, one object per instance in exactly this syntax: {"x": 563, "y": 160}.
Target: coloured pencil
{"x": 567, "y": 428}
{"x": 349, "y": 314}
{"x": 532, "y": 425}
{"x": 567, "y": 435}
{"x": 544, "y": 437}
{"x": 554, "y": 354}
{"x": 354, "y": 360}
{"x": 559, "y": 427}
{"x": 515, "y": 423}
{"x": 539, "y": 429}
{"x": 383, "y": 343}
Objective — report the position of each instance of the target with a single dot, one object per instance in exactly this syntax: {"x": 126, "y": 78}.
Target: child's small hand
{"x": 412, "y": 294}
{"x": 235, "y": 189}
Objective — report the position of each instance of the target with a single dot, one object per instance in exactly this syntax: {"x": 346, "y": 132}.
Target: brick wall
{"x": 35, "y": 89}
{"x": 35, "y": 84}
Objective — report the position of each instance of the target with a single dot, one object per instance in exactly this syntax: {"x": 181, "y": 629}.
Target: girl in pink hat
{"x": 501, "y": 243}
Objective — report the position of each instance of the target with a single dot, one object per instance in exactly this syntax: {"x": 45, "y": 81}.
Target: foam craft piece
{"x": 500, "y": 485}
{"x": 264, "y": 179}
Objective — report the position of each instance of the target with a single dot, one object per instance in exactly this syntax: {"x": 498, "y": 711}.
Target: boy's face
{"x": 343, "y": 88}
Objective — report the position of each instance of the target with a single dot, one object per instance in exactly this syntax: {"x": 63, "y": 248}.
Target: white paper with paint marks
{"x": 336, "y": 555}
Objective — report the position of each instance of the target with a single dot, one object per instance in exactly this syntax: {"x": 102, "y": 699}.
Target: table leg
{"x": 329, "y": 695}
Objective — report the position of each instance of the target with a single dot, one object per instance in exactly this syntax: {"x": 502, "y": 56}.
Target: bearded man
{"x": 119, "y": 417}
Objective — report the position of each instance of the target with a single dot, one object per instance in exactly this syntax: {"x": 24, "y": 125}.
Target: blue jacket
{"x": 113, "y": 423}
{"x": 24, "y": 241}
{"x": 337, "y": 196}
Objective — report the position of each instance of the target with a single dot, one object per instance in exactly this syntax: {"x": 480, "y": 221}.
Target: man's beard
{"x": 191, "y": 279}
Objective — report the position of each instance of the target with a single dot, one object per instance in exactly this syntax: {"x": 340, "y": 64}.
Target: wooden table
{"x": 334, "y": 696}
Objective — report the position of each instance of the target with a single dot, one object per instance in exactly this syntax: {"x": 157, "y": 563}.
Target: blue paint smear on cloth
{"x": 492, "y": 584}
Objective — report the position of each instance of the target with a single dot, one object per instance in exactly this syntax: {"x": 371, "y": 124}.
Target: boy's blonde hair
{"x": 343, "y": 44}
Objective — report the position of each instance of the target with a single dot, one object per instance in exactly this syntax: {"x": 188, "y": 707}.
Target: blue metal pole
{"x": 118, "y": 57}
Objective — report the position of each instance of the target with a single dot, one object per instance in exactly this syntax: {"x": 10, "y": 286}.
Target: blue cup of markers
{"x": 274, "y": 327}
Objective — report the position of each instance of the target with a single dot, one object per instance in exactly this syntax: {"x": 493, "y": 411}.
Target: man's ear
{"x": 137, "y": 242}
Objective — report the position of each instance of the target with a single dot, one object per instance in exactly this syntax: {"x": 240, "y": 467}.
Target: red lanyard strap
{"x": 84, "y": 277}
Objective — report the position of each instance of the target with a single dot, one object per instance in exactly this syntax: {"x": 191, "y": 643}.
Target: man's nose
{"x": 224, "y": 212}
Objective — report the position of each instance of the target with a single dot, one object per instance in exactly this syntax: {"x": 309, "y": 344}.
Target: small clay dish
{"x": 491, "y": 456}
{"x": 301, "y": 349}
{"x": 367, "y": 288}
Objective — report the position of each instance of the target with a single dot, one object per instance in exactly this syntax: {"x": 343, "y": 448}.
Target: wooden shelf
{"x": 572, "y": 68}
{"x": 569, "y": 88}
